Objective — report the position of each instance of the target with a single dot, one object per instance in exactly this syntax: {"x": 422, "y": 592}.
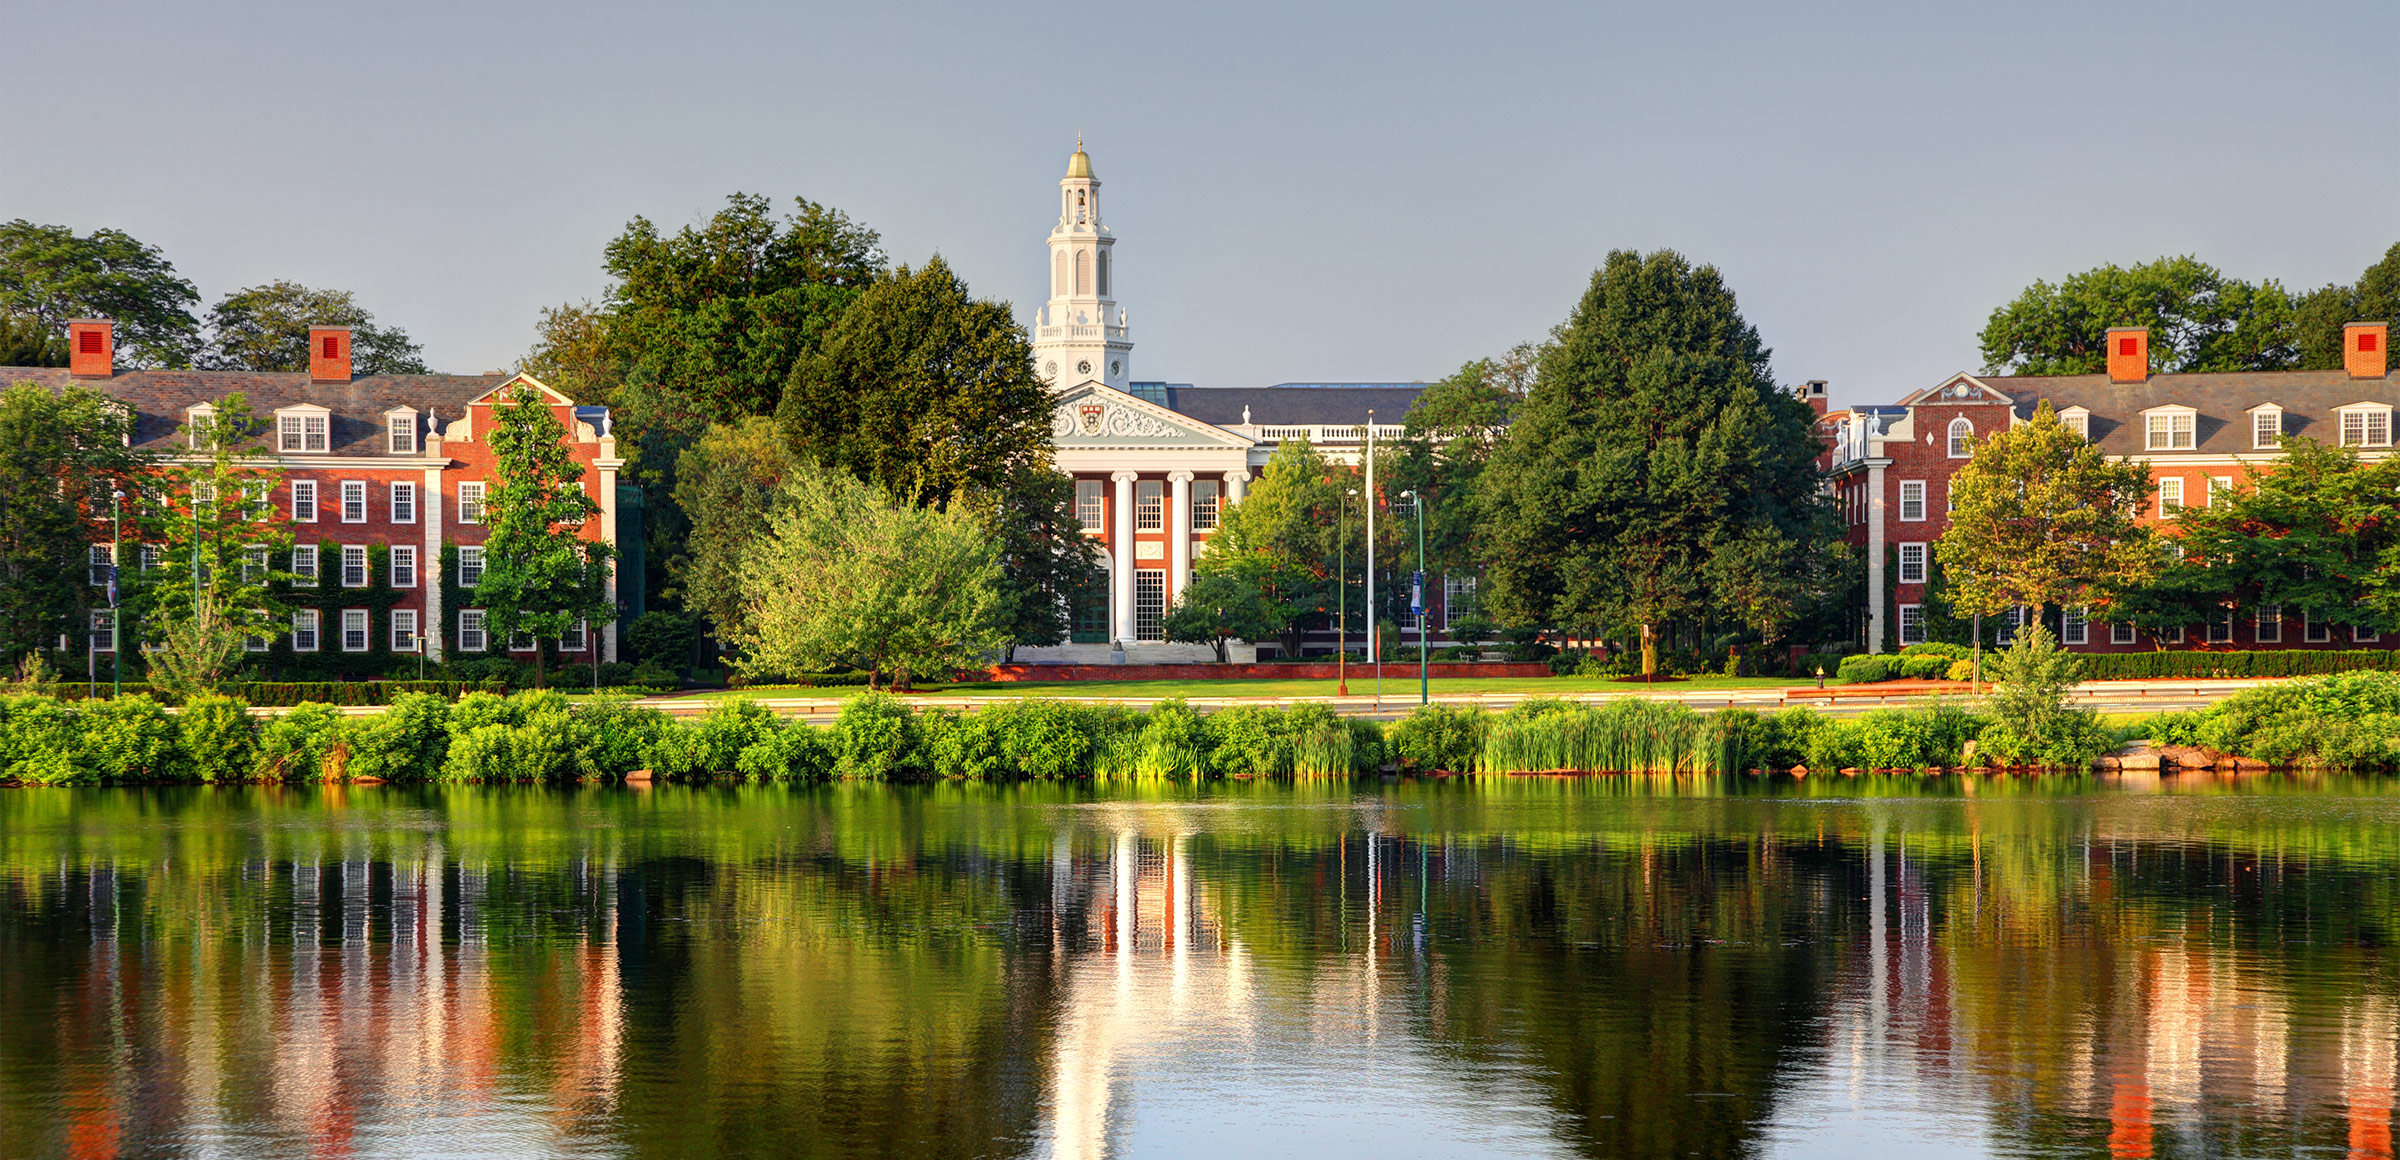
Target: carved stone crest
{"x": 1090, "y": 416}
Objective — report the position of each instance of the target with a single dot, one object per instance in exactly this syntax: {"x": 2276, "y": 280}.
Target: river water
{"x": 1604, "y": 967}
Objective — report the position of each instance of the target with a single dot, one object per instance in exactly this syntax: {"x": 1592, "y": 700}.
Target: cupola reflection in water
{"x": 1535, "y": 967}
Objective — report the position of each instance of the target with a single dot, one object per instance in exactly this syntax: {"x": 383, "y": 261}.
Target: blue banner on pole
{"x": 1416, "y": 594}
{"x": 112, "y": 586}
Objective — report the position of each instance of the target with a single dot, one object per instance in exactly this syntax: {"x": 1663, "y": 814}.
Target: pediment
{"x": 1096, "y": 416}
{"x": 1959, "y": 388}
{"x": 485, "y": 399}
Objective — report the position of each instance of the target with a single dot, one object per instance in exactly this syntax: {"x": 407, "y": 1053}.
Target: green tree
{"x": 223, "y": 543}
{"x": 2320, "y": 314}
{"x": 25, "y": 342}
{"x": 1653, "y": 440}
{"x": 847, "y": 575}
{"x": 62, "y": 454}
{"x": 728, "y": 482}
{"x": 265, "y": 328}
{"x": 720, "y": 313}
{"x": 2041, "y": 517}
{"x": 1286, "y": 525}
{"x": 54, "y": 275}
{"x": 1047, "y": 565}
{"x": 2199, "y": 321}
{"x": 1446, "y": 440}
{"x": 2318, "y": 532}
{"x": 2033, "y": 724}
{"x": 1231, "y": 597}
{"x": 540, "y": 575}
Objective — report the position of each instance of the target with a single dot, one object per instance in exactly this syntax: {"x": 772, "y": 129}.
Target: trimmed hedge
{"x": 2204, "y": 665}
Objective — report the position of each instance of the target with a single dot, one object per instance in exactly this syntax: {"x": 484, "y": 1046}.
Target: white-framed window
{"x": 2170, "y": 429}
{"x": 2270, "y": 623}
{"x": 574, "y": 640}
{"x": 2362, "y": 634}
{"x": 404, "y": 630}
{"x": 1912, "y": 624}
{"x": 193, "y": 417}
{"x": 258, "y": 498}
{"x": 1962, "y": 438}
{"x": 471, "y": 637}
{"x": 1912, "y": 563}
{"x": 304, "y": 565}
{"x": 2367, "y": 425}
{"x": 354, "y": 630}
{"x": 304, "y": 630}
{"x": 103, "y": 561}
{"x": 470, "y": 502}
{"x": 521, "y": 642}
{"x": 2074, "y": 625}
{"x": 2010, "y": 622}
{"x": 404, "y": 503}
{"x": 1458, "y": 598}
{"x": 403, "y": 559}
{"x": 470, "y": 565}
{"x": 1912, "y": 500}
{"x": 2220, "y": 629}
{"x": 254, "y": 565}
{"x": 2172, "y": 635}
{"x": 1091, "y": 507}
{"x": 2078, "y": 420}
{"x": 104, "y": 630}
{"x": 1206, "y": 502}
{"x": 2313, "y": 630}
{"x": 2266, "y": 426}
{"x": 150, "y": 555}
{"x": 1149, "y": 603}
{"x": 400, "y": 432}
{"x": 354, "y": 565}
{"x": 1149, "y": 506}
{"x": 2170, "y": 497}
{"x": 304, "y": 501}
{"x": 302, "y": 430}
{"x": 2220, "y": 489}
{"x": 256, "y": 643}
{"x": 2121, "y": 633}
{"x": 354, "y": 501}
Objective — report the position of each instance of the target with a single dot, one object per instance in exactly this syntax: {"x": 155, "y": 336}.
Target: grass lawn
{"x": 1395, "y": 686}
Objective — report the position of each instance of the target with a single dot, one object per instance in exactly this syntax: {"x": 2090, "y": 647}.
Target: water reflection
{"x": 1535, "y": 967}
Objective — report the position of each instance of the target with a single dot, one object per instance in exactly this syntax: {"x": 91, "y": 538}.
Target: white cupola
{"x": 1081, "y": 335}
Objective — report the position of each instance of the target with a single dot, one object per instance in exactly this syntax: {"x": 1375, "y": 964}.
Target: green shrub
{"x": 39, "y": 742}
{"x": 219, "y": 739}
{"x": 306, "y": 744}
{"x": 618, "y": 734}
{"x": 1367, "y": 751}
{"x": 410, "y": 741}
{"x": 1935, "y": 648}
{"x": 1809, "y": 663}
{"x": 1776, "y": 741}
{"x": 1173, "y": 743}
{"x": 1248, "y": 741}
{"x": 1042, "y": 738}
{"x": 1321, "y": 744}
{"x": 651, "y": 674}
{"x": 130, "y": 739}
{"x": 2348, "y": 720}
{"x": 876, "y": 737}
{"x": 1864, "y": 669}
{"x": 1448, "y": 738}
{"x": 1925, "y": 737}
{"x": 665, "y": 639}
{"x": 1923, "y": 668}
{"x": 2197, "y": 664}
{"x": 1960, "y": 671}
{"x": 2032, "y": 723}
{"x": 795, "y": 751}
{"x": 712, "y": 744}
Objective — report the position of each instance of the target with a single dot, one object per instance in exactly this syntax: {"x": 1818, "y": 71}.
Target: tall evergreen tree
{"x": 540, "y": 576}
{"x": 1653, "y": 442}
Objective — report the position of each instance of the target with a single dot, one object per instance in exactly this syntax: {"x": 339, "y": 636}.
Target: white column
{"x": 1120, "y": 555}
{"x": 429, "y": 569}
{"x": 607, "y": 628}
{"x": 1179, "y": 532}
{"x": 1875, "y": 611}
{"x": 1237, "y": 485}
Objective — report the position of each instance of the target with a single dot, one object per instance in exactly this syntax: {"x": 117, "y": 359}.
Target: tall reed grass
{"x": 1628, "y": 736}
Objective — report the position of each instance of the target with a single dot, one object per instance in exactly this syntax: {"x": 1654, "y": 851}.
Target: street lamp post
{"x": 1341, "y": 588}
{"x": 1416, "y": 597}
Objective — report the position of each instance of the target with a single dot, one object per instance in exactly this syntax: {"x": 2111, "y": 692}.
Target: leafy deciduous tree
{"x": 61, "y": 455}
{"x": 2041, "y": 517}
{"x": 2199, "y": 320}
{"x": 2318, "y": 532}
{"x": 1279, "y": 541}
{"x": 540, "y": 575}
{"x": 223, "y": 543}
{"x": 52, "y": 274}
{"x": 265, "y": 328}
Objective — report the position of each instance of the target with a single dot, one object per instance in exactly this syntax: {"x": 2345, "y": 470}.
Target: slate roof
{"x": 1295, "y": 404}
{"x": 159, "y": 398}
{"x": 2309, "y": 400}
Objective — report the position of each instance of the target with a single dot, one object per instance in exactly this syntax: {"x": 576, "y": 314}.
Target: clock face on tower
{"x": 1053, "y": 368}
{"x": 1084, "y": 367}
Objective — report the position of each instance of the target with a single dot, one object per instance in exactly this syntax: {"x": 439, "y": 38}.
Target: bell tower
{"x": 1081, "y": 335}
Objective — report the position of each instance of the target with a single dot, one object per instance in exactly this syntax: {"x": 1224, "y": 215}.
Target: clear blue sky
{"x": 1303, "y": 192}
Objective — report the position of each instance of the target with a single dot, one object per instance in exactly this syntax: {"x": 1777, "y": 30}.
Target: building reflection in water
{"x": 886, "y": 974}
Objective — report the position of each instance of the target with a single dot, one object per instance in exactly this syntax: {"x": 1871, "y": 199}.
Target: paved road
{"x": 2105, "y": 696}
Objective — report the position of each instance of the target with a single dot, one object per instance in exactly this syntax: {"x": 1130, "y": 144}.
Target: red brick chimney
{"x": 2128, "y": 354}
{"x": 1813, "y": 393}
{"x": 329, "y": 354}
{"x": 2365, "y": 350}
{"x": 91, "y": 348}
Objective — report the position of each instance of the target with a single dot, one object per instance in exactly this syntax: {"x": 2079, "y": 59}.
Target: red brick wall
{"x": 1290, "y": 672}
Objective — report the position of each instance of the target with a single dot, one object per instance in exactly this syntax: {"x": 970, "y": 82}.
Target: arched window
{"x": 1083, "y": 272}
{"x": 1962, "y": 436}
{"x": 1104, "y": 273}
{"x": 1058, "y": 279}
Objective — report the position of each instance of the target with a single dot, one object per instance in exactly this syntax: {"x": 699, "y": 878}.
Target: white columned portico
{"x": 1179, "y": 532}
{"x": 1237, "y": 485}
{"x": 1120, "y": 561}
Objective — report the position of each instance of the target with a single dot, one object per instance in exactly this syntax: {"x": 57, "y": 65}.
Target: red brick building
{"x": 1890, "y": 466}
{"x": 382, "y": 480}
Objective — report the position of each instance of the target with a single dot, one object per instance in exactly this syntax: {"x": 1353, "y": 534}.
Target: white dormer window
{"x": 303, "y": 430}
{"x": 2170, "y": 428}
{"x": 2078, "y": 420}
{"x": 400, "y": 431}
{"x": 2367, "y": 425}
{"x": 193, "y": 418}
{"x": 2266, "y": 426}
{"x": 1962, "y": 438}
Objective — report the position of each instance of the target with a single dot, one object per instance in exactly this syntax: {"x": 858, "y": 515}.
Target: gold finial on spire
{"x": 1079, "y": 165}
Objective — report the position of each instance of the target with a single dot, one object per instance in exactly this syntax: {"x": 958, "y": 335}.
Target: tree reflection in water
{"x": 1603, "y": 967}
